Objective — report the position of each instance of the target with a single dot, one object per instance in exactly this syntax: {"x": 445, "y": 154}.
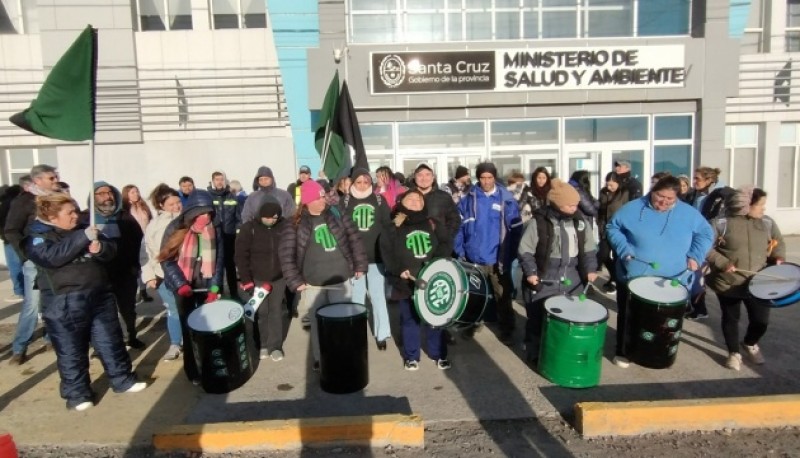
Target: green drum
{"x": 573, "y": 334}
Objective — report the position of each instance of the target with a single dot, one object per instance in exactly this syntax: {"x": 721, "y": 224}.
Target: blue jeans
{"x": 29, "y": 313}
{"x": 375, "y": 281}
{"x": 173, "y": 319}
{"x": 14, "y": 269}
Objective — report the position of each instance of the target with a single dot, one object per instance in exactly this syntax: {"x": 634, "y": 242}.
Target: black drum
{"x": 222, "y": 349}
{"x": 343, "y": 348}
{"x": 655, "y": 319}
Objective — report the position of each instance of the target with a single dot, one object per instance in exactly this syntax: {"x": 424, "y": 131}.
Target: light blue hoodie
{"x": 667, "y": 239}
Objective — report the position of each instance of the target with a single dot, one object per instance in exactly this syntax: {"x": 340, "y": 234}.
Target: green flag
{"x": 334, "y": 155}
{"x": 65, "y": 106}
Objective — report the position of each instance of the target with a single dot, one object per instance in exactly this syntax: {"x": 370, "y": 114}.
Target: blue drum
{"x": 776, "y": 286}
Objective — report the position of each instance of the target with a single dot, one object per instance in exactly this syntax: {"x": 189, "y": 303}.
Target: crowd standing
{"x": 321, "y": 242}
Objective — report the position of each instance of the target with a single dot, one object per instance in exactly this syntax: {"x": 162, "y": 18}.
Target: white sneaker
{"x": 136, "y": 387}
{"x": 734, "y": 361}
{"x": 753, "y": 353}
{"x": 172, "y": 353}
{"x": 622, "y": 362}
{"x": 276, "y": 355}
{"x": 85, "y": 405}
{"x": 263, "y": 354}
{"x": 14, "y": 299}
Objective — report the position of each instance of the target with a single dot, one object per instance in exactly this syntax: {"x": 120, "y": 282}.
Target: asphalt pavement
{"x": 487, "y": 381}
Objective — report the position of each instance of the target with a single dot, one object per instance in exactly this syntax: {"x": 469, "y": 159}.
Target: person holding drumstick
{"x": 411, "y": 240}
{"x": 746, "y": 241}
{"x": 556, "y": 248}
{"x": 659, "y": 235}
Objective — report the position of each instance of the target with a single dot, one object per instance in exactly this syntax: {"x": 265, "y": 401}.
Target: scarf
{"x": 140, "y": 214}
{"x": 198, "y": 246}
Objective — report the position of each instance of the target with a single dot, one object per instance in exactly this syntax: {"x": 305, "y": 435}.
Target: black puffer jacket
{"x": 440, "y": 207}
{"x": 295, "y": 242}
{"x": 257, "y": 248}
{"x": 21, "y": 213}
{"x": 62, "y": 256}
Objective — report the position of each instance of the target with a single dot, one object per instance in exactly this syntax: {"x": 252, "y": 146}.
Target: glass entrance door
{"x": 599, "y": 158}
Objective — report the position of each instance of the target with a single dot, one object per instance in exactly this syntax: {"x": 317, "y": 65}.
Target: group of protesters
{"x": 321, "y": 242}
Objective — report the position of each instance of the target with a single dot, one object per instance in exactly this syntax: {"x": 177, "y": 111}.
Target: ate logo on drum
{"x": 364, "y": 216}
{"x": 419, "y": 242}
{"x": 440, "y": 293}
{"x": 323, "y": 236}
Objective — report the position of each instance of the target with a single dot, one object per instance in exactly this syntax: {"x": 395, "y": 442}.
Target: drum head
{"x": 215, "y": 316}
{"x": 445, "y": 294}
{"x": 574, "y": 310}
{"x": 770, "y": 288}
{"x": 339, "y": 311}
{"x": 658, "y": 290}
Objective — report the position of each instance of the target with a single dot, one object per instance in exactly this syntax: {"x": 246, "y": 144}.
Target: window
{"x": 437, "y": 136}
{"x": 672, "y": 144}
{"x": 18, "y": 162}
{"x": 238, "y": 14}
{"x": 18, "y": 16}
{"x": 165, "y": 15}
{"x": 741, "y": 144}
{"x": 789, "y": 167}
{"x": 589, "y": 130}
{"x": 792, "y": 25}
{"x": 753, "y": 39}
{"x": 385, "y": 21}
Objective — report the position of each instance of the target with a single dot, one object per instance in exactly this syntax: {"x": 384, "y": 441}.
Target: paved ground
{"x": 488, "y": 381}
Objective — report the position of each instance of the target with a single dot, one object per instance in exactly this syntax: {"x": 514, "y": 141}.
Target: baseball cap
{"x": 622, "y": 163}
{"x": 304, "y": 169}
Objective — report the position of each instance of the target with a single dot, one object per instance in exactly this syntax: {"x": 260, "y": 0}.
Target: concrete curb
{"x": 374, "y": 431}
{"x": 635, "y": 418}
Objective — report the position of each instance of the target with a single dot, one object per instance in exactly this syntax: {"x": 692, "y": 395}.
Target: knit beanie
{"x": 310, "y": 191}
{"x": 485, "y": 167}
{"x": 270, "y": 208}
{"x": 359, "y": 171}
{"x": 562, "y": 194}
{"x": 461, "y": 171}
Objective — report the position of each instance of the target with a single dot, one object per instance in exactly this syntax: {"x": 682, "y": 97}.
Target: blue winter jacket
{"x": 199, "y": 202}
{"x": 490, "y": 227}
{"x": 660, "y": 242}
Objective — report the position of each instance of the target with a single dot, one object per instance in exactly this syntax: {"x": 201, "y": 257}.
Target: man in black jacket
{"x": 13, "y": 262}
{"x": 228, "y": 216}
{"x": 627, "y": 180}
{"x": 22, "y": 213}
{"x": 438, "y": 203}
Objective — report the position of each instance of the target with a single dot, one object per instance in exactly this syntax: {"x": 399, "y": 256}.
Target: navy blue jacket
{"x": 227, "y": 209}
{"x": 199, "y": 202}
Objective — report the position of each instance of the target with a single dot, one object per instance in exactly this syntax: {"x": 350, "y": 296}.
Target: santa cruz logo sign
{"x": 400, "y": 72}
{"x": 392, "y": 70}
{"x": 440, "y": 293}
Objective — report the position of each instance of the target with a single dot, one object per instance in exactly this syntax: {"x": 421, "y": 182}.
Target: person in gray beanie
{"x": 265, "y": 181}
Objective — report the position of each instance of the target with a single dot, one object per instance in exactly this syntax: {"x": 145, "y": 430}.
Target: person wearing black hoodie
{"x": 259, "y": 265}
{"x": 404, "y": 261}
{"x": 264, "y": 184}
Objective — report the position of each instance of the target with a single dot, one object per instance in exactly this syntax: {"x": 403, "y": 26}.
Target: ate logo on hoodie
{"x": 323, "y": 236}
{"x": 364, "y": 216}
{"x": 419, "y": 243}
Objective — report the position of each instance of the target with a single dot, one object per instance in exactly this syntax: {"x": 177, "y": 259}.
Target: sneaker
{"x": 196, "y": 381}
{"x": 18, "y": 359}
{"x": 411, "y": 365}
{"x": 694, "y": 316}
{"x": 276, "y": 355}
{"x": 609, "y": 287}
{"x": 621, "y": 362}
{"x": 753, "y": 353}
{"x": 263, "y": 354}
{"x": 85, "y": 405}
{"x": 14, "y": 299}
{"x": 734, "y": 361}
{"x": 136, "y": 343}
{"x": 443, "y": 364}
{"x": 306, "y": 320}
{"x": 136, "y": 387}
{"x": 173, "y": 352}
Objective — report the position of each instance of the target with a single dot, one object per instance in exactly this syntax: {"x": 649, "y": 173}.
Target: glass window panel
{"x": 547, "y": 3}
{"x": 15, "y": 176}
{"x": 610, "y": 24}
{"x": 376, "y": 160}
{"x": 425, "y": 27}
{"x": 152, "y": 14}
{"x": 373, "y": 5}
{"x": 21, "y": 158}
{"x": 410, "y": 164}
{"x": 180, "y": 14}
{"x": 377, "y": 137}
{"x": 470, "y": 161}
{"x": 225, "y": 6}
{"x": 479, "y": 26}
{"x": 441, "y": 135}
{"x": 673, "y": 128}
{"x": 788, "y": 133}
{"x": 559, "y": 24}
{"x": 636, "y": 158}
{"x": 479, "y": 4}
{"x": 542, "y": 132}
{"x": 226, "y": 21}
{"x": 663, "y": 17}
{"x": 48, "y": 156}
{"x": 579, "y": 130}
{"x": 424, "y": 4}
{"x": 676, "y": 159}
{"x": 255, "y": 21}
{"x": 505, "y": 163}
{"x": 744, "y": 167}
{"x": 793, "y": 13}
{"x": 625, "y": 3}
{"x": 506, "y": 3}
{"x": 792, "y": 41}
{"x": 530, "y": 24}
{"x": 254, "y": 6}
{"x": 786, "y": 176}
{"x": 728, "y": 135}
{"x": 746, "y": 134}
{"x": 507, "y": 26}
{"x": 9, "y": 17}
{"x": 751, "y": 42}
{"x": 454, "y": 28}
{"x": 373, "y": 28}
{"x": 605, "y": 129}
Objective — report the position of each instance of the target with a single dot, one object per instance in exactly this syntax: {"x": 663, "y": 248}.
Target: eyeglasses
{"x": 104, "y": 193}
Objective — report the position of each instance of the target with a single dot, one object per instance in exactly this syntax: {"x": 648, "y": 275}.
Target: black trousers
{"x": 185, "y": 307}
{"x": 125, "y": 288}
{"x": 229, "y": 247}
{"x": 503, "y": 289}
{"x": 758, "y": 316}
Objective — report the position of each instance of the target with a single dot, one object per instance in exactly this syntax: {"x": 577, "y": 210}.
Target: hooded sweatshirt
{"x": 256, "y": 200}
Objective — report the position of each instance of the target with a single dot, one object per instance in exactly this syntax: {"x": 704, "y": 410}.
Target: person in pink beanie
{"x": 320, "y": 255}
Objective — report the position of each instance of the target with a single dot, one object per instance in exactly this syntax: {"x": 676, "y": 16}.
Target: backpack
{"x": 714, "y": 205}
{"x": 721, "y": 225}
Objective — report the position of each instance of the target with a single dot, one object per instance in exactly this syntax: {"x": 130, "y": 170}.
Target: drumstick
{"x": 563, "y": 281}
{"x": 582, "y": 295}
{"x": 652, "y": 265}
{"x": 421, "y": 284}
{"x": 765, "y": 275}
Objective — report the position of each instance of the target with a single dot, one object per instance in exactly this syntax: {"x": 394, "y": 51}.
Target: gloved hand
{"x": 267, "y": 286}
{"x": 248, "y": 286}
{"x": 211, "y": 297}
{"x": 185, "y": 291}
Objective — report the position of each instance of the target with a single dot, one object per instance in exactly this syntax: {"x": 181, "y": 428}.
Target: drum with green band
{"x": 450, "y": 293}
{"x": 573, "y": 334}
